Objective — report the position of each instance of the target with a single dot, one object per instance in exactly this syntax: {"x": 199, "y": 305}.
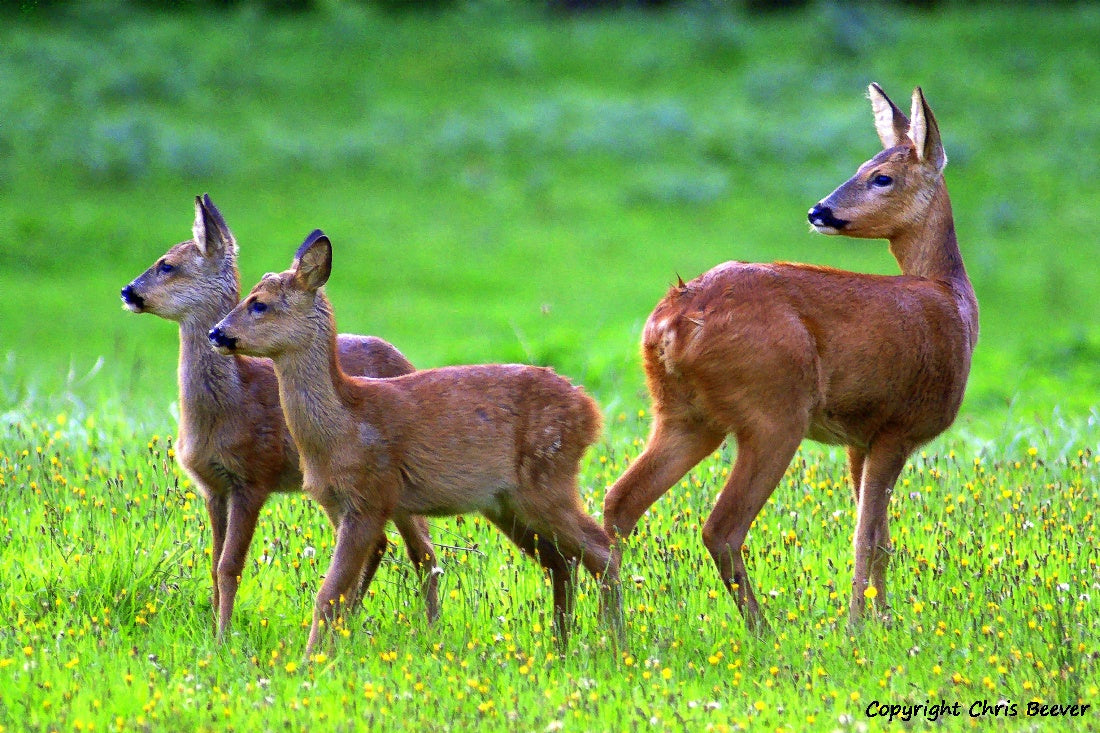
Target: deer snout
{"x": 132, "y": 300}
{"x": 824, "y": 221}
{"x": 220, "y": 341}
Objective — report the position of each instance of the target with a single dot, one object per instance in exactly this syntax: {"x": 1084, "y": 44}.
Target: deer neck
{"x": 210, "y": 384}
{"x": 310, "y": 380}
{"x": 932, "y": 251}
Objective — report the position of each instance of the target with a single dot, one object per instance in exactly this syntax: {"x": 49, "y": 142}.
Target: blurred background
{"x": 522, "y": 181}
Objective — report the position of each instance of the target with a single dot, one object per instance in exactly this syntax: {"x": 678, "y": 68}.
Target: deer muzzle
{"x": 220, "y": 341}
{"x": 131, "y": 299}
{"x": 824, "y": 221}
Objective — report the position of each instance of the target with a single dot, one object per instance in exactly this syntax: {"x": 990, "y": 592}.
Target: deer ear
{"x": 891, "y": 124}
{"x": 313, "y": 261}
{"x": 210, "y": 231}
{"x": 925, "y": 133}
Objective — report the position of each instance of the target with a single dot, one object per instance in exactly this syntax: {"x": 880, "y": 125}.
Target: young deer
{"x": 232, "y": 438}
{"x": 502, "y": 440}
{"x": 774, "y": 353}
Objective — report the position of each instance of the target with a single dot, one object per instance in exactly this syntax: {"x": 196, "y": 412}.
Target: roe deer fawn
{"x": 774, "y": 353}
{"x": 502, "y": 440}
{"x": 232, "y": 438}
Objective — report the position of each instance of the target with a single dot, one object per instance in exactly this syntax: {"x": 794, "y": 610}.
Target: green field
{"x": 501, "y": 184}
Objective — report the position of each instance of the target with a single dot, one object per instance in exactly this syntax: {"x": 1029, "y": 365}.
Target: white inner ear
{"x": 198, "y": 233}
{"x": 918, "y": 126}
{"x": 890, "y": 123}
{"x": 884, "y": 121}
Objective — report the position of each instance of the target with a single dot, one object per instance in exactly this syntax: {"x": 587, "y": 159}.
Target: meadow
{"x": 505, "y": 185}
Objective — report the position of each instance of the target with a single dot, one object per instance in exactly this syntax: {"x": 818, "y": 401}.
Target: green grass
{"x": 106, "y": 565}
{"x": 503, "y": 185}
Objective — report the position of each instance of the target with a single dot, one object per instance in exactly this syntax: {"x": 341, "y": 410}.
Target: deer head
{"x": 894, "y": 189}
{"x": 192, "y": 276}
{"x": 283, "y": 312}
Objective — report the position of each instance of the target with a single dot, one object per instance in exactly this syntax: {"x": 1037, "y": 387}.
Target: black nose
{"x": 822, "y": 216}
{"x": 218, "y": 338}
{"x": 132, "y": 298}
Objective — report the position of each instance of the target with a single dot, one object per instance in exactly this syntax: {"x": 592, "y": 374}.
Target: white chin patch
{"x": 822, "y": 229}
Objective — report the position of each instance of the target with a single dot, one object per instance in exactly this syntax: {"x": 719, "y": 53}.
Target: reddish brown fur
{"x": 232, "y": 437}
{"x": 775, "y": 353}
{"x": 503, "y": 440}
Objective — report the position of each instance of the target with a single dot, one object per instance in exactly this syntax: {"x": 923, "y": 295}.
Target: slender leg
{"x": 762, "y": 459}
{"x": 370, "y": 567}
{"x": 603, "y": 565}
{"x": 244, "y": 512}
{"x": 418, "y": 544}
{"x": 371, "y": 563}
{"x": 672, "y": 451}
{"x": 356, "y": 535}
{"x": 545, "y": 551}
{"x": 578, "y": 538}
{"x": 856, "y": 457}
{"x": 217, "y": 508}
{"x": 884, "y": 462}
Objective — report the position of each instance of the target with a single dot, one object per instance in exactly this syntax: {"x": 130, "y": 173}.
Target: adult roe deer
{"x": 774, "y": 353}
{"x": 232, "y": 438}
{"x": 503, "y": 440}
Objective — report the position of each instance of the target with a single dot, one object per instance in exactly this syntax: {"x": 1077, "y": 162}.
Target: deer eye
{"x": 164, "y": 268}
{"x": 256, "y": 307}
{"x": 881, "y": 180}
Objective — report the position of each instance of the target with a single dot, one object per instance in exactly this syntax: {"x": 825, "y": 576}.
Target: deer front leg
{"x": 217, "y": 508}
{"x": 370, "y": 567}
{"x": 856, "y": 456}
{"x": 872, "y": 537}
{"x": 418, "y": 545}
{"x": 356, "y": 535}
{"x": 371, "y": 562}
{"x": 244, "y": 512}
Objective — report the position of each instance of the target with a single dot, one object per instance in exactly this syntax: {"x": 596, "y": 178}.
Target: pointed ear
{"x": 313, "y": 261}
{"x": 891, "y": 124}
{"x": 925, "y": 133}
{"x": 210, "y": 231}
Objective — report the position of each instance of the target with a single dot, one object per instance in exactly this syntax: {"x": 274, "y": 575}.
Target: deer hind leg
{"x": 244, "y": 512}
{"x": 762, "y": 458}
{"x": 218, "y": 508}
{"x": 357, "y": 534}
{"x": 418, "y": 544}
{"x": 673, "y": 449}
{"x": 543, "y": 549}
{"x": 582, "y": 540}
{"x": 872, "y": 537}
{"x": 603, "y": 565}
